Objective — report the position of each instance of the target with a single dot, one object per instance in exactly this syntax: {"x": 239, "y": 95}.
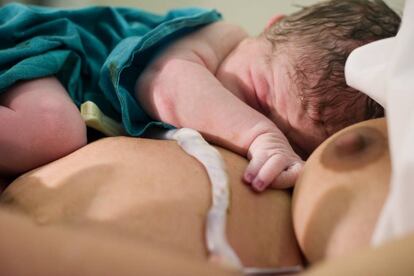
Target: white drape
{"x": 384, "y": 70}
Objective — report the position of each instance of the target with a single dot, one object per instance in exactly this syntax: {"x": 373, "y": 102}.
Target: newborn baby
{"x": 263, "y": 97}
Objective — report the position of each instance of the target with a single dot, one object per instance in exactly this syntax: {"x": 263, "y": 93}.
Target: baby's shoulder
{"x": 212, "y": 42}
{"x": 221, "y": 31}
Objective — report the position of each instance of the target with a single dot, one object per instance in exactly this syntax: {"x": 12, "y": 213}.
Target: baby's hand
{"x": 272, "y": 163}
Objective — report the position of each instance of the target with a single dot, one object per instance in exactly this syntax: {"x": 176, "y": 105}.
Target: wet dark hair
{"x": 321, "y": 37}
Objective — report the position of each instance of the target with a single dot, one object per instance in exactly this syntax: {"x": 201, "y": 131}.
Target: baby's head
{"x": 315, "y": 43}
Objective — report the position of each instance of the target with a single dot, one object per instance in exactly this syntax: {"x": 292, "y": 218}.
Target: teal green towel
{"x": 97, "y": 53}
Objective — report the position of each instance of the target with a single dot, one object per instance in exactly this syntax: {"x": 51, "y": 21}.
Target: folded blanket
{"x": 96, "y": 52}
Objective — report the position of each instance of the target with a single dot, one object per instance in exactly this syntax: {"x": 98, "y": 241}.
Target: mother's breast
{"x": 339, "y": 196}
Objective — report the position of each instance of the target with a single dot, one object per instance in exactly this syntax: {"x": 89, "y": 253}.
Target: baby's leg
{"x": 38, "y": 123}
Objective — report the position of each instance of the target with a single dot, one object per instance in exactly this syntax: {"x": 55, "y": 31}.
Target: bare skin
{"x": 87, "y": 251}
{"x": 166, "y": 203}
{"x": 339, "y": 196}
{"x": 250, "y": 92}
{"x": 39, "y": 123}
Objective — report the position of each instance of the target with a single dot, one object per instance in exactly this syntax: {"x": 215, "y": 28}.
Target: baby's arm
{"x": 180, "y": 88}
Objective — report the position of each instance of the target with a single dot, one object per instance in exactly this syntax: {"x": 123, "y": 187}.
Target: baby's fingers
{"x": 288, "y": 177}
{"x": 253, "y": 169}
{"x": 261, "y": 173}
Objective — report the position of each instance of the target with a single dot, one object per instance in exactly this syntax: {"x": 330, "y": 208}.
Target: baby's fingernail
{"x": 258, "y": 185}
{"x": 248, "y": 177}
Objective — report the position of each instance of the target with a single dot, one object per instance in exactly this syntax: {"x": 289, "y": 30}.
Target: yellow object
{"x": 95, "y": 118}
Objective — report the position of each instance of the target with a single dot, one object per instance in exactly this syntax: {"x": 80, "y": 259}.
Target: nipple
{"x": 350, "y": 143}
{"x": 354, "y": 149}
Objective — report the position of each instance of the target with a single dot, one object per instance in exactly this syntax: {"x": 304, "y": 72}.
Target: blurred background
{"x": 252, "y": 15}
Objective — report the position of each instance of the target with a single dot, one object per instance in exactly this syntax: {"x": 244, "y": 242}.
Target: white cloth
{"x": 384, "y": 70}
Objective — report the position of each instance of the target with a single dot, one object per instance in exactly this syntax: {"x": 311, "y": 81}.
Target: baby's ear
{"x": 276, "y": 18}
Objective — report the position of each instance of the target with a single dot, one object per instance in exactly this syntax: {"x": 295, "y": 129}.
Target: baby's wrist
{"x": 265, "y": 129}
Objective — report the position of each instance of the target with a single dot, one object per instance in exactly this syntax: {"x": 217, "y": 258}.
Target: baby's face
{"x": 272, "y": 91}
{"x": 284, "y": 105}
{"x": 288, "y": 113}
